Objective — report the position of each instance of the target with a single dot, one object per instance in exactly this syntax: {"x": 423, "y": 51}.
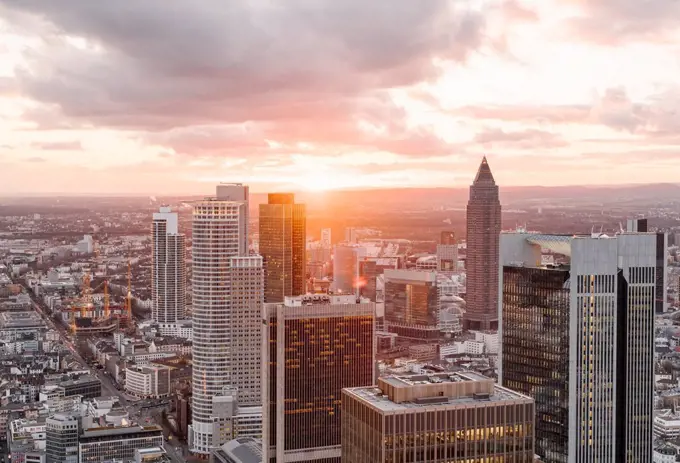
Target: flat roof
{"x": 118, "y": 431}
{"x": 378, "y": 399}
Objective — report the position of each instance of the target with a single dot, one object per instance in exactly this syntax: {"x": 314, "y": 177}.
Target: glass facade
{"x": 61, "y": 439}
{"x": 483, "y": 432}
{"x": 88, "y": 388}
{"x": 283, "y": 232}
{"x": 535, "y": 358}
{"x": 108, "y": 445}
{"x": 322, "y": 356}
{"x": 412, "y": 306}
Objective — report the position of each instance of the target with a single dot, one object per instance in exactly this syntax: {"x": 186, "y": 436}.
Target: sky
{"x": 170, "y": 97}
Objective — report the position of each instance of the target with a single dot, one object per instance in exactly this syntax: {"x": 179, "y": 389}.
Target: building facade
{"x": 346, "y": 259}
{"x": 148, "y": 381}
{"x": 315, "y": 346}
{"x": 117, "y": 444}
{"x": 283, "y": 246}
{"x": 412, "y": 304}
{"x": 222, "y": 293}
{"x": 61, "y": 443}
{"x": 483, "y": 230}
{"x": 442, "y": 418}
{"x": 168, "y": 269}
{"x": 579, "y": 338}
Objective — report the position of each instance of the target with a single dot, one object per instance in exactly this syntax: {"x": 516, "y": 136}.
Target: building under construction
{"x": 89, "y": 316}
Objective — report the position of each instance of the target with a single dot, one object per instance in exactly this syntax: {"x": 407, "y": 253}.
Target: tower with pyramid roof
{"x": 483, "y": 237}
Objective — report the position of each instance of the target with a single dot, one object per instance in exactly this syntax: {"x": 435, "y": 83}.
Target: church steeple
{"x": 484, "y": 174}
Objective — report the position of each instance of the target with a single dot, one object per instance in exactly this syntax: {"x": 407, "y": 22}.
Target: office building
{"x": 61, "y": 443}
{"x": 440, "y": 418}
{"x": 447, "y": 253}
{"x": 85, "y": 385}
{"x": 168, "y": 269}
{"x": 483, "y": 229}
{"x": 283, "y": 246}
{"x": 247, "y": 280}
{"x": 661, "y": 292}
{"x": 147, "y": 381}
{"x": 412, "y": 303}
{"x": 351, "y": 235}
{"x": 117, "y": 443}
{"x": 317, "y": 345}
{"x": 226, "y": 284}
{"x": 346, "y": 259}
{"x": 578, "y": 336}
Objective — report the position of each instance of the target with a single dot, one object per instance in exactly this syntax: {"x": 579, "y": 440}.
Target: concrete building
{"x": 283, "y": 246}
{"x": 61, "y": 443}
{"x": 87, "y": 386}
{"x": 227, "y": 303}
{"x": 412, "y": 304}
{"x": 666, "y": 424}
{"x": 148, "y": 381}
{"x": 26, "y": 439}
{"x": 439, "y": 418}
{"x": 483, "y": 229}
{"x": 117, "y": 443}
{"x": 579, "y": 338}
{"x": 168, "y": 269}
{"x": 313, "y": 347}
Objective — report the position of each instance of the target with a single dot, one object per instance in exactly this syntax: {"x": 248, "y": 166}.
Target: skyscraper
{"x": 168, "y": 270}
{"x": 578, "y": 337}
{"x": 446, "y": 417}
{"x": 227, "y": 298}
{"x": 283, "y": 246}
{"x": 483, "y": 230}
{"x": 317, "y": 345}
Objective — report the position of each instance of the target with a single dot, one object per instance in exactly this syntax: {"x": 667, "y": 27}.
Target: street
{"x": 145, "y": 412}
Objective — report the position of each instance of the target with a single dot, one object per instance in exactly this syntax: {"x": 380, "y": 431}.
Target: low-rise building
{"x": 439, "y": 417}
{"x": 666, "y": 424}
{"x": 117, "y": 443}
{"x": 26, "y": 437}
{"x": 148, "y": 381}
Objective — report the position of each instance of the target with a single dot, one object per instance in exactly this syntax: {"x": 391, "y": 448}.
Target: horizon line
{"x": 323, "y": 192}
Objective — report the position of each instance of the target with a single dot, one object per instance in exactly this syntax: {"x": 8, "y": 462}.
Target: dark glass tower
{"x": 483, "y": 230}
{"x": 536, "y": 350}
{"x": 283, "y": 241}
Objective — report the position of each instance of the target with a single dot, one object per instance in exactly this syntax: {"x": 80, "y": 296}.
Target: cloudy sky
{"x": 162, "y": 97}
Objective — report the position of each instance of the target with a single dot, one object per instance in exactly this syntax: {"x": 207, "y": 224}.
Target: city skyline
{"x": 587, "y": 95}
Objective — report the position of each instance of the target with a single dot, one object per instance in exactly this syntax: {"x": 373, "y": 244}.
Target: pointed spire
{"x": 484, "y": 174}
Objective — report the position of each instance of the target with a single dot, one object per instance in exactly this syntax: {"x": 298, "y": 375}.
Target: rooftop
{"x": 242, "y": 450}
{"x": 399, "y": 393}
{"x": 118, "y": 431}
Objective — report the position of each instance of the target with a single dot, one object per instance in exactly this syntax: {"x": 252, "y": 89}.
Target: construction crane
{"x": 83, "y": 304}
{"x": 128, "y": 299}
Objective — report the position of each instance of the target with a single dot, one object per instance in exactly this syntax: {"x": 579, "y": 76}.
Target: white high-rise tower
{"x": 169, "y": 272}
{"x": 227, "y": 301}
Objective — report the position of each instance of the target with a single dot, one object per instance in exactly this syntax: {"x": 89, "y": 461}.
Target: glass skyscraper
{"x": 579, "y": 338}
{"x": 283, "y": 246}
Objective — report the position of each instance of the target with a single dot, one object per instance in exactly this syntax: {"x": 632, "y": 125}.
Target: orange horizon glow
{"x": 555, "y": 93}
